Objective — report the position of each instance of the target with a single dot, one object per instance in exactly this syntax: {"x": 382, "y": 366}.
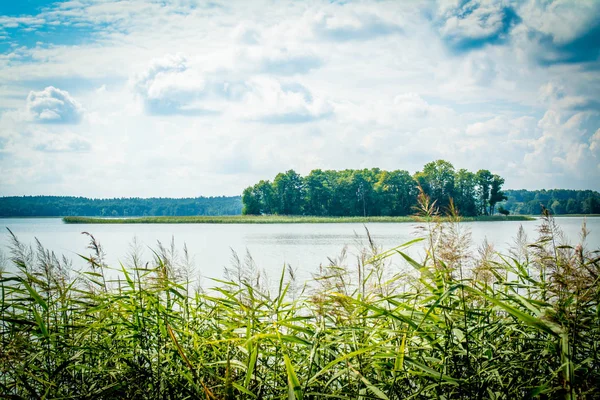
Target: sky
{"x": 185, "y": 98}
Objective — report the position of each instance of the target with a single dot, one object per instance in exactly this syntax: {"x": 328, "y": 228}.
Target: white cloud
{"x": 595, "y": 143}
{"x": 469, "y": 25}
{"x": 59, "y": 143}
{"x": 246, "y": 33}
{"x": 345, "y": 23}
{"x": 14, "y": 22}
{"x": 170, "y": 86}
{"x": 271, "y": 102}
{"x": 182, "y": 98}
{"x": 562, "y": 20}
{"x": 501, "y": 127}
{"x": 53, "y": 105}
{"x": 278, "y": 60}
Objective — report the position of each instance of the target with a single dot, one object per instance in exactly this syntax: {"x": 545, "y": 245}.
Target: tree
{"x": 251, "y": 201}
{"x": 362, "y": 182}
{"x": 557, "y": 207}
{"x": 591, "y": 205}
{"x": 396, "y": 192}
{"x": 264, "y": 191}
{"x": 437, "y": 181}
{"x": 288, "y": 189}
{"x": 572, "y": 206}
{"x": 317, "y": 193}
{"x": 503, "y": 211}
{"x": 465, "y": 183}
{"x": 496, "y": 194}
{"x": 483, "y": 188}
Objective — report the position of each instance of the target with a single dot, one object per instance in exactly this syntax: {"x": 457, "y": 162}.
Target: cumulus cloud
{"x": 558, "y": 96}
{"x": 378, "y": 80}
{"x": 473, "y": 24}
{"x": 342, "y": 24}
{"x": 562, "y": 31}
{"x": 566, "y": 147}
{"x": 169, "y": 86}
{"x": 271, "y": 102}
{"x": 53, "y": 105}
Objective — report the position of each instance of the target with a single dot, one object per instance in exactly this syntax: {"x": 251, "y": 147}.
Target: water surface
{"x": 303, "y": 246}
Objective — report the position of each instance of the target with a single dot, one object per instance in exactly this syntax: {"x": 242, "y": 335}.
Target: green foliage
{"x": 437, "y": 181}
{"x": 558, "y": 201}
{"x": 374, "y": 192}
{"x": 453, "y": 326}
{"x": 54, "y": 206}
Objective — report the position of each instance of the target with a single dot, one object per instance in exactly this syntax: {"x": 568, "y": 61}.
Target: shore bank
{"x": 271, "y": 219}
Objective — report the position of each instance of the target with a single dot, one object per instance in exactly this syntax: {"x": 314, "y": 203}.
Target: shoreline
{"x": 277, "y": 219}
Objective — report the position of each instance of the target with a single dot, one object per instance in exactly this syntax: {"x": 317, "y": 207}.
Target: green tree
{"x": 503, "y": 211}
{"x": 465, "y": 183}
{"x": 396, "y": 192}
{"x": 288, "y": 189}
{"x": 362, "y": 183}
{"x": 591, "y": 205}
{"x": 496, "y": 194}
{"x": 251, "y": 201}
{"x": 318, "y": 192}
{"x": 572, "y": 206}
{"x": 437, "y": 181}
{"x": 484, "y": 182}
{"x": 557, "y": 207}
{"x": 265, "y": 191}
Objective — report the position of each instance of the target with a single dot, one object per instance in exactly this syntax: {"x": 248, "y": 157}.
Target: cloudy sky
{"x": 106, "y": 98}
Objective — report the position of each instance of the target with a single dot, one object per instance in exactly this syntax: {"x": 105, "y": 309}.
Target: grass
{"x": 270, "y": 219}
{"x": 454, "y": 325}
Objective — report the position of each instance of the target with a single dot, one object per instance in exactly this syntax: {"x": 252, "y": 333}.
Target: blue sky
{"x": 177, "y": 98}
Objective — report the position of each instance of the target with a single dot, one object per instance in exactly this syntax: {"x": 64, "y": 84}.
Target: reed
{"x": 454, "y": 325}
{"x": 273, "y": 219}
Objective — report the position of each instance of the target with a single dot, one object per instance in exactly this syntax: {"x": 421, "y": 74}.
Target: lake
{"x": 303, "y": 246}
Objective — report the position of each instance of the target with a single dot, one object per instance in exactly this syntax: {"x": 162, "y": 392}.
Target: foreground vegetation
{"x": 457, "y": 325}
{"x": 271, "y": 219}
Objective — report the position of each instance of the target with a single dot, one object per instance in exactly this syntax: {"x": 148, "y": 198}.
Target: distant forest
{"x": 376, "y": 192}
{"x": 367, "y": 192}
{"x": 558, "y": 201}
{"x": 45, "y": 206}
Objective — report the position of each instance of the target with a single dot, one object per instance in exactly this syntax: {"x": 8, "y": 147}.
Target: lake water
{"x": 303, "y": 246}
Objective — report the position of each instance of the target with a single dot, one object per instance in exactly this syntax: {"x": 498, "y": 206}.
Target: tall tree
{"x": 318, "y": 192}
{"x": 483, "y": 188}
{"x": 396, "y": 192}
{"x": 437, "y": 180}
{"x": 251, "y": 201}
{"x": 496, "y": 194}
{"x": 465, "y": 183}
{"x": 288, "y": 188}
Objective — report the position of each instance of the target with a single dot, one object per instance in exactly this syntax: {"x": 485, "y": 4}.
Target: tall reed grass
{"x": 460, "y": 325}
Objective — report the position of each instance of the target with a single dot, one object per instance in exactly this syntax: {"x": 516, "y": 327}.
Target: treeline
{"x": 45, "y": 206}
{"x": 375, "y": 192}
{"x": 558, "y": 201}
